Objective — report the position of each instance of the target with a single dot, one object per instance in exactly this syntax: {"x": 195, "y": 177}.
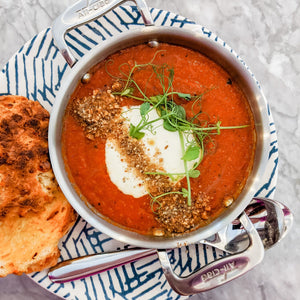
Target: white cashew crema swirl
{"x": 163, "y": 148}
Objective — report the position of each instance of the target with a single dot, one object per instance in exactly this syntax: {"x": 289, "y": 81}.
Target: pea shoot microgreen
{"x": 174, "y": 119}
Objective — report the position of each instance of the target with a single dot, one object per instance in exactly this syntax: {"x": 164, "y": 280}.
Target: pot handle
{"x": 219, "y": 271}
{"x": 83, "y": 12}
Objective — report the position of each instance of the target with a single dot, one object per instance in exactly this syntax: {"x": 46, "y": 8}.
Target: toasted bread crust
{"x": 34, "y": 213}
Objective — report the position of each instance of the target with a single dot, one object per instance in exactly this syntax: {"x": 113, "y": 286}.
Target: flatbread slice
{"x": 34, "y": 214}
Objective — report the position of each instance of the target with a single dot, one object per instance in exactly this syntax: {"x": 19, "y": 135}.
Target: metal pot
{"x": 73, "y": 17}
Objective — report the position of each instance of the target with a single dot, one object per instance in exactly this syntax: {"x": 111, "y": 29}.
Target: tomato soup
{"x": 195, "y": 100}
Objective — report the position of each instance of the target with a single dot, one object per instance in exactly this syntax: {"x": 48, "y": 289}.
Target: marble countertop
{"x": 267, "y": 35}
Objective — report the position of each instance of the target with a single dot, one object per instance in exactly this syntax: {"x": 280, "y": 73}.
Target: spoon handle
{"x": 89, "y": 265}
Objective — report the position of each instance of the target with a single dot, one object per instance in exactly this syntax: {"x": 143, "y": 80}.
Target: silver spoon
{"x": 271, "y": 219}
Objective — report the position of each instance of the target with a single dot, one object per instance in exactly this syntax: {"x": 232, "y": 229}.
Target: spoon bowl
{"x": 271, "y": 219}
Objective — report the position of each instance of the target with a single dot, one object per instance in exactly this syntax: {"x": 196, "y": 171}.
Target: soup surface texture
{"x": 159, "y": 140}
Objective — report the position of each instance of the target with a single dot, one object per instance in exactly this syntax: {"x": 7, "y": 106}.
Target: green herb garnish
{"x": 174, "y": 119}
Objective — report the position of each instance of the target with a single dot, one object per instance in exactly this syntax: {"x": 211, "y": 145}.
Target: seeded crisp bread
{"x": 34, "y": 214}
